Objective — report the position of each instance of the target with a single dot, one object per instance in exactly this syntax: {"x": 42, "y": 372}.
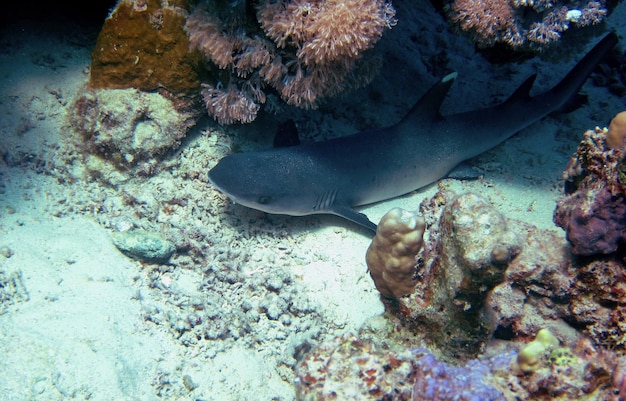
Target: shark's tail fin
{"x": 568, "y": 88}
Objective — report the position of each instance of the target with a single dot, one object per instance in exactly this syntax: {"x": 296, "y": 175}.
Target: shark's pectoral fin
{"x": 350, "y": 214}
{"x": 464, "y": 172}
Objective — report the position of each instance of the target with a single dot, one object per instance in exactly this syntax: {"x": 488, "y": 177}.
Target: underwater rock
{"x": 144, "y": 246}
{"x": 476, "y": 247}
{"x": 539, "y": 278}
{"x": 143, "y": 45}
{"x": 128, "y": 129}
{"x": 597, "y": 302}
{"x": 391, "y": 257}
{"x": 593, "y": 212}
{"x": 468, "y": 251}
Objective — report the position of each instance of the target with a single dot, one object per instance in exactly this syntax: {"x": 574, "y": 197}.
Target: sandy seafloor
{"x": 79, "y": 320}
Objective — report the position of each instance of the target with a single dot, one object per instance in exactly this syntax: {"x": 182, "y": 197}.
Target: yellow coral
{"x": 529, "y": 357}
{"x": 562, "y": 357}
{"x": 616, "y": 135}
{"x": 392, "y": 253}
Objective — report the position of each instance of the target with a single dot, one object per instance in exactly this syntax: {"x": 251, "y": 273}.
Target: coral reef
{"x": 142, "y": 94}
{"x": 537, "y": 282}
{"x": 143, "y": 45}
{"x": 354, "y": 368}
{"x": 391, "y": 257}
{"x": 476, "y": 247}
{"x": 127, "y": 128}
{"x": 522, "y": 23}
{"x": 569, "y": 372}
{"x": 506, "y": 313}
{"x": 596, "y": 302}
{"x": 364, "y": 368}
{"x": 304, "y": 50}
{"x": 467, "y": 255}
{"x": 545, "y": 288}
{"x": 593, "y": 212}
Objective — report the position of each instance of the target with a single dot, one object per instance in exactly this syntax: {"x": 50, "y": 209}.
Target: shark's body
{"x": 333, "y": 176}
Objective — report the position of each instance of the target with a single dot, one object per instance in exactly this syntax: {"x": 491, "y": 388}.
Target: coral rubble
{"x": 593, "y": 212}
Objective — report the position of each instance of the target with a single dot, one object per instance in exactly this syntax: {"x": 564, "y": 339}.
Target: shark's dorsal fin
{"x": 427, "y": 108}
{"x": 523, "y": 91}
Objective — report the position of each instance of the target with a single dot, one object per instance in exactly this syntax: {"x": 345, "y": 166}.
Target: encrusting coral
{"x": 593, "y": 212}
{"x": 304, "y": 50}
{"x": 523, "y": 23}
{"x": 391, "y": 257}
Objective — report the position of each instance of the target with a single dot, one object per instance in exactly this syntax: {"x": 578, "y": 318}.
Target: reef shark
{"x": 333, "y": 176}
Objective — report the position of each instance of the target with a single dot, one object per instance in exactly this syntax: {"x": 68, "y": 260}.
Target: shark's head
{"x": 262, "y": 181}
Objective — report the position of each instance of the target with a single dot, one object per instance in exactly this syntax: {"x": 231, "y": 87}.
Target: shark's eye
{"x": 263, "y": 200}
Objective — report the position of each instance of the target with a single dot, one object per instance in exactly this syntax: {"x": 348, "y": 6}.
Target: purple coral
{"x": 593, "y": 214}
{"x": 438, "y": 381}
{"x": 595, "y": 223}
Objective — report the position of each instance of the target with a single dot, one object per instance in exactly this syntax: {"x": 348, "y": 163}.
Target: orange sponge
{"x": 616, "y": 136}
{"x": 391, "y": 257}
